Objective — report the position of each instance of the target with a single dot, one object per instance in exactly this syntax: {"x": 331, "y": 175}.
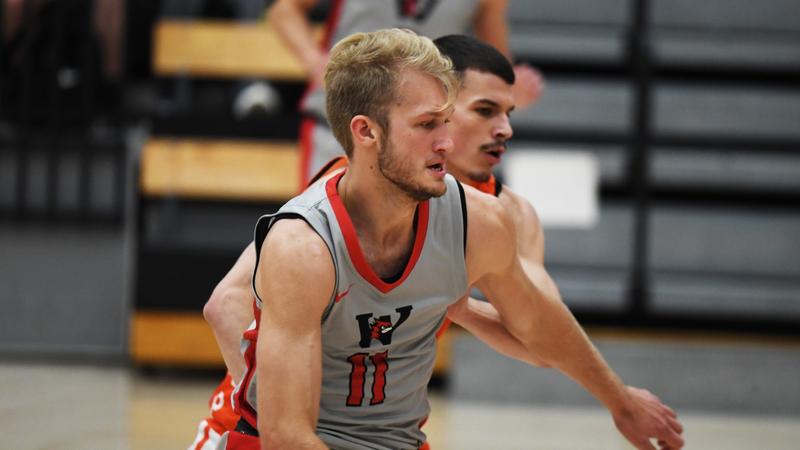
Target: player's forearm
{"x": 565, "y": 346}
{"x": 287, "y": 403}
{"x": 291, "y": 24}
{"x": 483, "y": 321}
{"x": 229, "y": 313}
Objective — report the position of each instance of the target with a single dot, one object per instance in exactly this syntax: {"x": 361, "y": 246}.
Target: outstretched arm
{"x": 295, "y": 284}
{"x": 546, "y": 328}
{"x": 229, "y": 310}
{"x": 491, "y": 26}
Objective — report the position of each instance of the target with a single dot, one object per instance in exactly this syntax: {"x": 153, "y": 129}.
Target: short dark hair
{"x": 467, "y": 52}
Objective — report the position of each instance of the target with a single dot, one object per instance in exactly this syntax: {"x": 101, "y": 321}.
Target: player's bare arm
{"x": 481, "y": 318}
{"x": 530, "y": 239}
{"x": 490, "y": 24}
{"x": 289, "y": 19}
{"x": 295, "y": 280}
{"x": 543, "y": 324}
{"x": 491, "y": 27}
{"x": 229, "y": 310}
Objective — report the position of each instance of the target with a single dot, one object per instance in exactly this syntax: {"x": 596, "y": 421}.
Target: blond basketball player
{"x": 355, "y": 276}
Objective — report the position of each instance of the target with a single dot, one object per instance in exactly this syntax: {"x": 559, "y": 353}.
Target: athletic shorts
{"x": 234, "y": 440}
{"x": 222, "y": 417}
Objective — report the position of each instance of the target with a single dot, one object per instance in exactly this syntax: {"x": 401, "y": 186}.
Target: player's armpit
{"x": 295, "y": 281}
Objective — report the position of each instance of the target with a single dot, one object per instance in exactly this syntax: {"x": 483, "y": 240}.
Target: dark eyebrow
{"x": 493, "y": 104}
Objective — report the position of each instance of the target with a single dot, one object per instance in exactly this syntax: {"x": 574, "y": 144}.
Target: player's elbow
{"x": 221, "y": 305}
{"x": 213, "y": 309}
{"x": 537, "y": 361}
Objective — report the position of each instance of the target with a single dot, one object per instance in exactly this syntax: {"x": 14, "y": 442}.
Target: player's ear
{"x": 363, "y": 130}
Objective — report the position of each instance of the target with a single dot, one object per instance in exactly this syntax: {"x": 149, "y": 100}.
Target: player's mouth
{"x": 438, "y": 169}
{"x": 494, "y": 152}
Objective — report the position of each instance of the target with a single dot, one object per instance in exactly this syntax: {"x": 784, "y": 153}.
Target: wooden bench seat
{"x": 173, "y": 339}
{"x": 220, "y": 169}
{"x": 223, "y": 49}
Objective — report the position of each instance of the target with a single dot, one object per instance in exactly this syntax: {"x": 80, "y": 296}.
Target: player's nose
{"x": 502, "y": 128}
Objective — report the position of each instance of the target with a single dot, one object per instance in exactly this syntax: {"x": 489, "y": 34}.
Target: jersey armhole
{"x": 262, "y": 228}
{"x": 463, "y": 198}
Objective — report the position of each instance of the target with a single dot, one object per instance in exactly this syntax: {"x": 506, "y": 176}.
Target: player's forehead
{"x": 419, "y": 93}
{"x": 485, "y": 87}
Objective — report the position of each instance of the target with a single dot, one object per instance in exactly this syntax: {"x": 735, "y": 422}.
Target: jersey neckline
{"x": 354, "y": 247}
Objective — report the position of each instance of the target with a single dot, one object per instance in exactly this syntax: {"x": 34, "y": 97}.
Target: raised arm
{"x": 542, "y": 323}
{"x": 289, "y": 18}
{"x": 229, "y": 310}
{"x": 295, "y": 280}
{"x": 491, "y": 26}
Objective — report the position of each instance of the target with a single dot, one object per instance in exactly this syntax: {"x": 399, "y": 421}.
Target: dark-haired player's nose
{"x": 502, "y": 128}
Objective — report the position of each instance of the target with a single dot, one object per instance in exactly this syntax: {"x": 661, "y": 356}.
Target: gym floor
{"x": 85, "y": 407}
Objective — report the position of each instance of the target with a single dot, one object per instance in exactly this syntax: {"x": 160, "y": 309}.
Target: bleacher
{"x": 692, "y": 111}
{"x": 711, "y": 120}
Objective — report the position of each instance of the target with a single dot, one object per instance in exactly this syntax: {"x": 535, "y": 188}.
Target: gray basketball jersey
{"x": 378, "y": 336}
{"x": 432, "y": 18}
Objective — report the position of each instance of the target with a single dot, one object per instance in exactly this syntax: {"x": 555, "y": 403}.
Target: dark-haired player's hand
{"x": 528, "y": 85}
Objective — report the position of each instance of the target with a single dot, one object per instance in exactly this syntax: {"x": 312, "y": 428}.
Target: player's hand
{"x": 528, "y": 85}
{"x": 648, "y": 418}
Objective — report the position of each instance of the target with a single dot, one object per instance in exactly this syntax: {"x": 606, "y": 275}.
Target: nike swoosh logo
{"x": 342, "y": 295}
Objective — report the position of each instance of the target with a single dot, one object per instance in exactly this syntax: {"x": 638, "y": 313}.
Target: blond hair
{"x": 364, "y": 71}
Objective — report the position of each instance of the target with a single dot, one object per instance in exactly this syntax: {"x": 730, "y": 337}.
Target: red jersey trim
{"x": 354, "y": 248}
{"x": 306, "y": 150}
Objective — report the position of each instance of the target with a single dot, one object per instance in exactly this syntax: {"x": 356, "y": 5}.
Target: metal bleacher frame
{"x": 641, "y": 70}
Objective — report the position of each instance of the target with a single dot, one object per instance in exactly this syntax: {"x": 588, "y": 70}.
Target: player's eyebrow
{"x": 437, "y": 113}
{"x": 493, "y": 104}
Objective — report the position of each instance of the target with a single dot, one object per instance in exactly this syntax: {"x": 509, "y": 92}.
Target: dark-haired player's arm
{"x": 481, "y": 318}
{"x": 543, "y": 324}
{"x": 229, "y": 310}
{"x": 295, "y": 284}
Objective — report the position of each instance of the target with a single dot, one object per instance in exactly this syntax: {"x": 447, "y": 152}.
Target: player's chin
{"x": 435, "y": 189}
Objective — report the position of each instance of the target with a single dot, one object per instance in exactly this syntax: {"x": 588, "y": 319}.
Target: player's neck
{"x": 379, "y": 210}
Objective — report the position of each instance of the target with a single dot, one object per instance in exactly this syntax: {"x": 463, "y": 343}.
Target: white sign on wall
{"x": 561, "y": 184}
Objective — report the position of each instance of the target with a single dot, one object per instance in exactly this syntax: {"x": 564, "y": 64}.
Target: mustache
{"x": 494, "y": 145}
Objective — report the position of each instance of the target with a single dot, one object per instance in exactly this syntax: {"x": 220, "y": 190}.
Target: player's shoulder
{"x": 293, "y": 239}
{"x": 485, "y": 212}
{"x": 518, "y": 206}
{"x": 491, "y": 234}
